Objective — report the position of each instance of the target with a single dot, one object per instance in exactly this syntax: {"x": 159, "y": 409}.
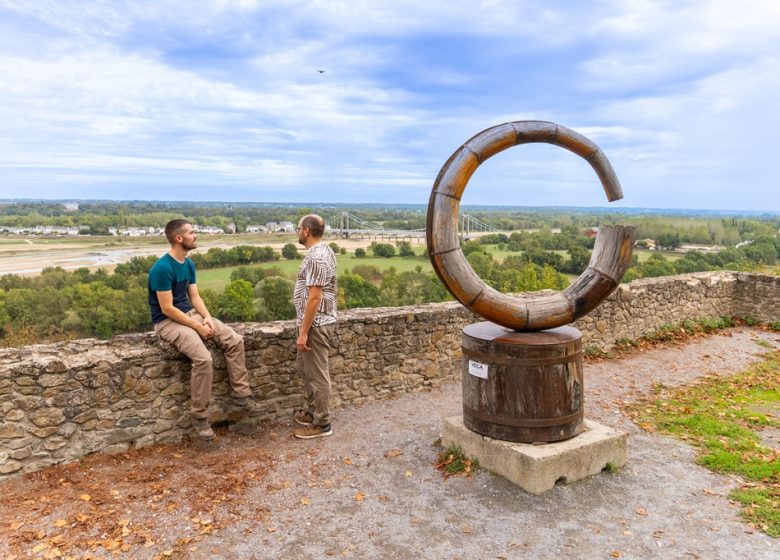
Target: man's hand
{"x": 301, "y": 343}
{"x": 210, "y": 322}
{"x": 205, "y": 330}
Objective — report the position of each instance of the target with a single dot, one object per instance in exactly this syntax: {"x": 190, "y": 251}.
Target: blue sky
{"x": 223, "y": 100}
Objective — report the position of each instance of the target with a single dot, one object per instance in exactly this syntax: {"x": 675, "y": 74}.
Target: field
{"x": 30, "y": 255}
{"x": 217, "y": 278}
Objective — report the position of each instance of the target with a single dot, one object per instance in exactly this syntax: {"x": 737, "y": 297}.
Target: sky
{"x": 316, "y": 101}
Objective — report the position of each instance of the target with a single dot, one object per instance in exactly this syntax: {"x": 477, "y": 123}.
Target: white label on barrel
{"x": 478, "y": 370}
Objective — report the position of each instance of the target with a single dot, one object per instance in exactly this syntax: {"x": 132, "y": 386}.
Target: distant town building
{"x": 256, "y": 228}
{"x": 645, "y": 244}
{"x": 71, "y": 206}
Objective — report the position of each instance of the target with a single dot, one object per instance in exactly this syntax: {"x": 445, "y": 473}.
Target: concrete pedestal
{"x": 536, "y": 468}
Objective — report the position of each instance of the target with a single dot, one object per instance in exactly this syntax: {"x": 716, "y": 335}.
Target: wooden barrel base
{"x": 525, "y": 387}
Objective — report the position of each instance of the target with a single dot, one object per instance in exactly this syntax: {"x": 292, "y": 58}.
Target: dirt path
{"x": 370, "y": 490}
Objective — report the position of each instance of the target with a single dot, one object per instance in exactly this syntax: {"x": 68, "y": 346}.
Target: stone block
{"x": 47, "y": 417}
{"x": 536, "y": 468}
{"x": 51, "y": 380}
{"x": 10, "y": 466}
{"x": 14, "y": 416}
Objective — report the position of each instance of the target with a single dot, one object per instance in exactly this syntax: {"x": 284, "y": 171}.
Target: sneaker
{"x": 203, "y": 429}
{"x": 247, "y": 404}
{"x": 303, "y": 418}
{"x": 311, "y": 431}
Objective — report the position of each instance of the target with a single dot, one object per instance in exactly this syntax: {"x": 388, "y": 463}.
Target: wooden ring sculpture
{"x": 611, "y": 253}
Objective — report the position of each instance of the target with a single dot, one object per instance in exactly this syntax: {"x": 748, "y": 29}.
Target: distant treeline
{"x": 702, "y": 228}
{"x": 59, "y": 304}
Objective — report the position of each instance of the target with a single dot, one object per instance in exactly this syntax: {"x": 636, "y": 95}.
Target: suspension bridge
{"x": 346, "y": 225}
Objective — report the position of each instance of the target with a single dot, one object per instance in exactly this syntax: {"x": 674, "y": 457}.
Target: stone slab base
{"x": 536, "y": 468}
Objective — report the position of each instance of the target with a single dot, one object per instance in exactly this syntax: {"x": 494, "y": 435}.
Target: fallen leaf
{"x": 347, "y": 461}
{"x": 467, "y": 529}
{"x": 383, "y": 498}
{"x": 17, "y": 525}
{"x": 360, "y": 496}
{"x": 306, "y": 501}
{"x": 408, "y": 474}
{"x": 641, "y": 511}
{"x": 271, "y": 529}
{"x": 616, "y": 554}
{"x": 60, "y": 523}
{"x": 85, "y": 497}
{"x": 394, "y": 453}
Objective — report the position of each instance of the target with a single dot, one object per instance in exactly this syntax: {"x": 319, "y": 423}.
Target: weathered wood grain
{"x": 611, "y": 255}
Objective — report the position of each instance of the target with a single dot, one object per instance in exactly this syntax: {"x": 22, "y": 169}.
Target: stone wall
{"x": 61, "y": 401}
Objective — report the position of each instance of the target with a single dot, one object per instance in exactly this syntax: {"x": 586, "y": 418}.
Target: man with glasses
{"x": 315, "y": 309}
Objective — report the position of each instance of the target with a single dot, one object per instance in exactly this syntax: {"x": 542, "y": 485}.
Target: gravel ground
{"x": 371, "y": 491}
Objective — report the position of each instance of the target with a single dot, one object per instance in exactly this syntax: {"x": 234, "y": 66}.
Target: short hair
{"x": 315, "y": 224}
{"x": 173, "y": 228}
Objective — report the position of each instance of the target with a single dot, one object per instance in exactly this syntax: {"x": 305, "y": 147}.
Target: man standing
{"x": 315, "y": 309}
{"x": 181, "y": 318}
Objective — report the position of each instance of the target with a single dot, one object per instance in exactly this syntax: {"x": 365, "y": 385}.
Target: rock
{"x": 47, "y": 417}
{"x": 10, "y": 431}
{"x": 10, "y": 466}
{"x": 50, "y": 380}
{"x": 14, "y": 415}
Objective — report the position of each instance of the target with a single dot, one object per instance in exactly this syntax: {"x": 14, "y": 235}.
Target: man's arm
{"x": 309, "y": 311}
{"x": 199, "y": 305}
{"x": 165, "y": 298}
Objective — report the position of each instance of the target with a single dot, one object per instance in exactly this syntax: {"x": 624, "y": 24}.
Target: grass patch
{"x": 722, "y": 418}
{"x": 217, "y": 278}
{"x": 452, "y": 462}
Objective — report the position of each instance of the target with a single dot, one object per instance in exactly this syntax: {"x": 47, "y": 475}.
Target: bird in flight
{"x": 321, "y": 71}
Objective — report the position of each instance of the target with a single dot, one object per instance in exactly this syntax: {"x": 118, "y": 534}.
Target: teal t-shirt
{"x": 169, "y": 274}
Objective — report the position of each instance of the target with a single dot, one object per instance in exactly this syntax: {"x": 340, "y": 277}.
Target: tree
{"x": 383, "y": 250}
{"x": 357, "y": 291}
{"x": 236, "y": 303}
{"x": 579, "y": 257}
{"x": 290, "y": 252}
{"x": 275, "y": 299}
{"x": 405, "y": 249}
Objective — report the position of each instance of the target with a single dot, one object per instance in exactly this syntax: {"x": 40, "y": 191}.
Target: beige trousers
{"x": 188, "y": 342}
{"x": 316, "y": 373}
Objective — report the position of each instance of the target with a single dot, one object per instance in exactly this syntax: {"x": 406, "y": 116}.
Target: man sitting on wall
{"x": 181, "y": 318}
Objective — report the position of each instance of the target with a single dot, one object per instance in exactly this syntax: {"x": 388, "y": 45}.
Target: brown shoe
{"x": 203, "y": 429}
{"x": 303, "y": 418}
{"x": 311, "y": 431}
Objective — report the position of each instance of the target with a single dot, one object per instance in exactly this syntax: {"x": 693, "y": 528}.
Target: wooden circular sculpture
{"x": 611, "y": 253}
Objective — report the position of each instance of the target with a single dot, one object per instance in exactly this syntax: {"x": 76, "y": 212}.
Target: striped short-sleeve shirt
{"x": 317, "y": 269}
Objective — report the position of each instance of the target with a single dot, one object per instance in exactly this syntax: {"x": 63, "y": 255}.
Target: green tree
{"x": 382, "y": 250}
{"x": 275, "y": 299}
{"x": 236, "y": 303}
{"x": 357, "y": 291}
{"x": 290, "y": 252}
{"x": 360, "y": 253}
{"x": 98, "y": 309}
{"x": 579, "y": 258}
{"x": 405, "y": 249}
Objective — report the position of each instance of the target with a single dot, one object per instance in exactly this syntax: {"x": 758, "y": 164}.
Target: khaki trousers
{"x": 188, "y": 342}
{"x": 316, "y": 373}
